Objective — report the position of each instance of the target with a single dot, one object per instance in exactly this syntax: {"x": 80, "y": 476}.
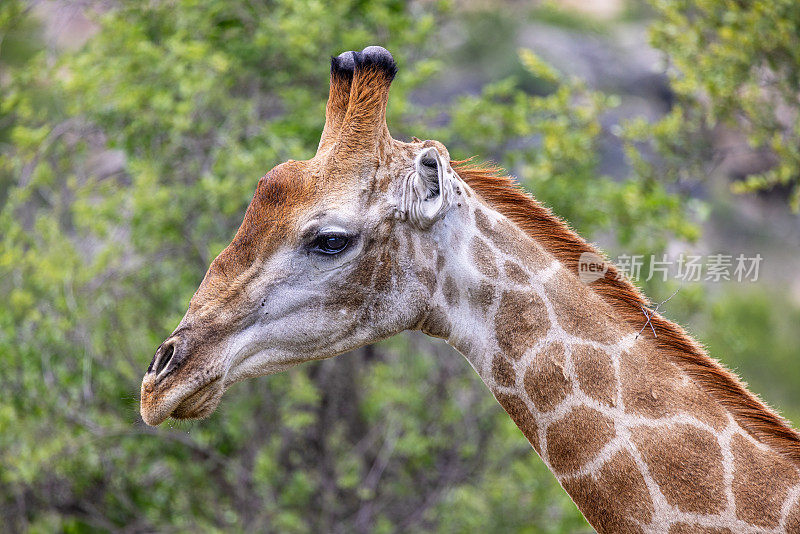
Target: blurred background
{"x": 132, "y": 135}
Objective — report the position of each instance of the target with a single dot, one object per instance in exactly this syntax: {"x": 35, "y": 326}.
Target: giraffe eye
{"x": 331, "y": 243}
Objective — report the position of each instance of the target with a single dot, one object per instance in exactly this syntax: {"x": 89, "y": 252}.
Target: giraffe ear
{"x": 428, "y": 189}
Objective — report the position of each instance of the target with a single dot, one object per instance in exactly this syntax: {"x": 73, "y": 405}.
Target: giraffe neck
{"x": 634, "y": 441}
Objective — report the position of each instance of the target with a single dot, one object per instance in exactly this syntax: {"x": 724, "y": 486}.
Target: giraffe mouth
{"x": 201, "y": 403}
{"x": 179, "y": 403}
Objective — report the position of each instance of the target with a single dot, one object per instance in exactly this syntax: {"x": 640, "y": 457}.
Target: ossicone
{"x": 378, "y": 58}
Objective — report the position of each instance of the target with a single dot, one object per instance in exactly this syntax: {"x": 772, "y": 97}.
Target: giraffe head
{"x": 334, "y": 253}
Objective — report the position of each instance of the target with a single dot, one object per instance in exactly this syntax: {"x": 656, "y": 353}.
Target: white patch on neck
{"x": 548, "y": 272}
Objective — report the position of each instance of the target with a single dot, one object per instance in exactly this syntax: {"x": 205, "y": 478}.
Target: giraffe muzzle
{"x": 180, "y": 382}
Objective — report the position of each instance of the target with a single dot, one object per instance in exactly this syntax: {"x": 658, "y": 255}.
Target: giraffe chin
{"x": 201, "y": 403}
{"x": 196, "y": 404}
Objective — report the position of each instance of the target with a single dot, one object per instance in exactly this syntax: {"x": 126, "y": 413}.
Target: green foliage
{"x": 734, "y": 65}
{"x": 554, "y": 14}
{"x": 551, "y": 142}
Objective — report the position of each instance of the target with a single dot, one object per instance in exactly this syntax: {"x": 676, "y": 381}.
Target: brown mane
{"x": 505, "y": 195}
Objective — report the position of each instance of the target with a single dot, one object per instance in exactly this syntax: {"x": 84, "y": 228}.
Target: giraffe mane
{"x": 503, "y": 193}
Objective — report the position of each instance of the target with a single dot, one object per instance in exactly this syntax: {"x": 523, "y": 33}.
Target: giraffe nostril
{"x": 163, "y": 357}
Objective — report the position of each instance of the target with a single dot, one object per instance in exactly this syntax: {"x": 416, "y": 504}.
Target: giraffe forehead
{"x": 280, "y": 199}
{"x": 349, "y": 171}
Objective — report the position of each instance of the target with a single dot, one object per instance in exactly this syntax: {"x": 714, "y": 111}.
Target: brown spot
{"x": 615, "y": 499}
{"x": 595, "y": 373}
{"x": 686, "y": 463}
{"x": 502, "y": 371}
{"x": 483, "y": 258}
{"x": 428, "y": 279}
{"x": 515, "y": 273}
{"x": 522, "y": 416}
{"x": 761, "y": 480}
{"x": 439, "y": 262}
{"x": 654, "y": 387}
{"x": 362, "y": 273}
{"x": 483, "y": 223}
{"x": 436, "y": 324}
{"x": 521, "y": 319}
{"x": 579, "y": 311}
{"x": 383, "y": 271}
{"x": 352, "y": 293}
{"x": 450, "y": 290}
{"x": 577, "y": 438}
{"x": 545, "y": 380}
{"x": 482, "y": 297}
{"x": 689, "y": 398}
{"x": 510, "y": 240}
{"x": 686, "y": 528}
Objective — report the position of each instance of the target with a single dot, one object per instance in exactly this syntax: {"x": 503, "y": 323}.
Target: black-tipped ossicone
{"x": 343, "y": 65}
{"x": 377, "y": 57}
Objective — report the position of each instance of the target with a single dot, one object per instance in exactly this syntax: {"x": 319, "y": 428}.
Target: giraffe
{"x": 373, "y": 236}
